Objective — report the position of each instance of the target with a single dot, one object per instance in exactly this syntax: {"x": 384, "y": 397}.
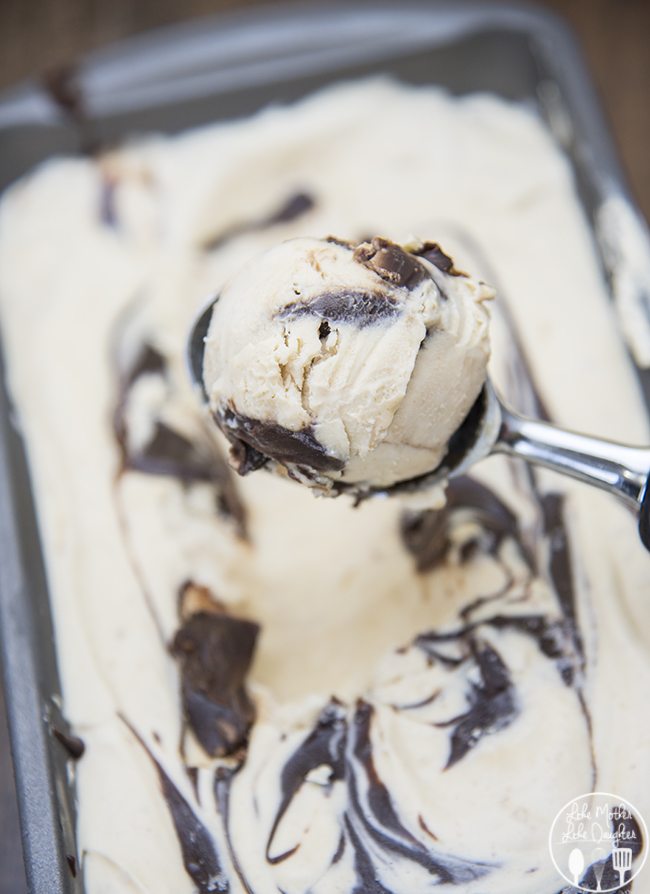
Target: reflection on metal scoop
{"x": 492, "y": 428}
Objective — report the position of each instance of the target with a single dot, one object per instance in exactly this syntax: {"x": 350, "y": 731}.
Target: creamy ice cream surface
{"x": 346, "y": 364}
{"x": 282, "y": 694}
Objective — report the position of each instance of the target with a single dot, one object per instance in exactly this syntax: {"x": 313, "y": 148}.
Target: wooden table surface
{"x": 39, "y": 34}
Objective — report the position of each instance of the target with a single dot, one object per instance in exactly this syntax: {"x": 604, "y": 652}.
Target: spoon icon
{"x": 576, "y": 865}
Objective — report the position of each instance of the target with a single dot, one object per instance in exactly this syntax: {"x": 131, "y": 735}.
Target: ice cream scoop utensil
{"x": 491, "y": 427}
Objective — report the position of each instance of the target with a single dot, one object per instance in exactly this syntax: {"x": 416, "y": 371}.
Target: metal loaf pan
{"x": 223, "y": 68}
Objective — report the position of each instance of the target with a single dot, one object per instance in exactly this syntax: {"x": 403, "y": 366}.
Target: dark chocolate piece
{"x": 244, "y": 458}
{"x": 391, "y": 262}
{"x": 492, "y": 704}
{"x": 269, "y": 440}
{"x": 294, "y": 207}
{"x": 324, "y": 330}
{"x": 215, "y": 652}
{"x": 72, "y": 744}
{"x": 432, "y": 253}
{"x": 355, "y": 306}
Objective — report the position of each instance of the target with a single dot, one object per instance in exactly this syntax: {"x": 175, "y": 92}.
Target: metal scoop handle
{"x": 617, "y": 468}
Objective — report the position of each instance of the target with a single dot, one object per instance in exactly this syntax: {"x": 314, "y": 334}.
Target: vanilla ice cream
{"x": 346, "y": 364}
{"x": 277, "y": 693}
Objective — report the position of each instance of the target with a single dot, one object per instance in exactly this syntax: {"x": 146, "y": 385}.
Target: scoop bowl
{"x": 490, "y": 427}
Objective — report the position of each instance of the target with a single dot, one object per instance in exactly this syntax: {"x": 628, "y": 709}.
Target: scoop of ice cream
{"x": 346, "y": 364}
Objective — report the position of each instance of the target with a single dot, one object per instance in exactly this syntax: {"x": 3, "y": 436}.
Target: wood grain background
{"x": 36, "y": 35}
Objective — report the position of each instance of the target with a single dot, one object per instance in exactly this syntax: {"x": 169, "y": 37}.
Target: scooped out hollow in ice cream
{"x": 346, "y": 364}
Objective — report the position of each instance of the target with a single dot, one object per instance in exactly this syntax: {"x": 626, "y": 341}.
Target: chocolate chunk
{"x": 432, "y": 253}
{"x": 293, "y": 208}
{"x": 324, "y": 330}
{"x": 72, "y": 744}
{"x": 492, "y": 704}
{"x": 269, "y": 440}
{"x": 215, "y": 652}
{"x": 244, "y": 458}
{"x": 391, "y": 262}
{"x": 358, "y": 307}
